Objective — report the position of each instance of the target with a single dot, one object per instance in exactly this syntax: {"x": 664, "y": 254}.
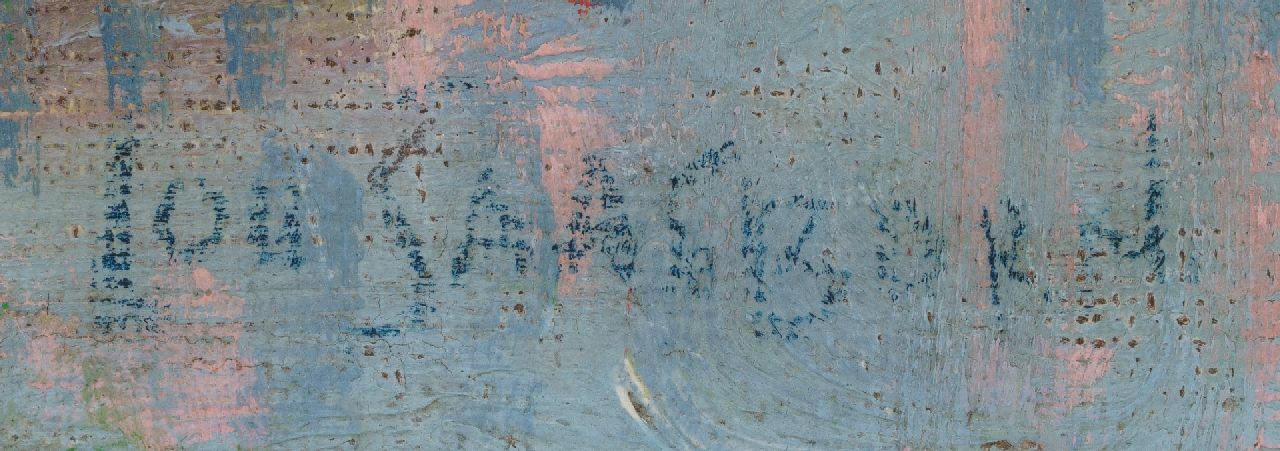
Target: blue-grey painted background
{"x": 639, "y": 224}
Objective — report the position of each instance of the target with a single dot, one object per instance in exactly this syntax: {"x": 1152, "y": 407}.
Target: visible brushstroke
{"x": 487, "y": 213}
{"x": 256, "y": 50}
{"x": 318, "y": 207}
{"x": 335, "y": 199}
{"x": 791, "y": 284}
{"x": 183, "y": 383}
{"x": 585, "y": 5}
{"x": 693, "y": 262}
{"x": 320, "y": 197}
{"x": 195, "y": 249}
{"x": 122, "y": 309}
{"x": 9, "y": 144}
{"x": 597, "y": 226}
{"x": 908, "y": 250}
{"x": 1261, "y": 223}
{"x": 594, "y": 69}
{"x": 1105, "y": 244}
{"x": 290, "y": 235}
{"x": 17, "y": 29}
{"x": 407, "y": 238}
{"x": 1065, "y": 40}
{"x": 986, "y": 26}
{"x": 1004, "y": 249}
{"x": 416, "y": 35}
{"x": 449, "y": 224}
{"x": 566, "y": 135}
{"x": 129, "y": 38}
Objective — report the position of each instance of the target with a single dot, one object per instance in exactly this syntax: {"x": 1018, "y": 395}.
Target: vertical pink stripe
{"x": 982, "y": 124}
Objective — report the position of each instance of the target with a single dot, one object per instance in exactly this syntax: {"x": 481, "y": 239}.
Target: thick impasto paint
{"x": 640, "y": 224}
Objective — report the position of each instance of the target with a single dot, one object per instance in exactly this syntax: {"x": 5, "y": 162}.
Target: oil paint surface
{"x": 640, "y": 224}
